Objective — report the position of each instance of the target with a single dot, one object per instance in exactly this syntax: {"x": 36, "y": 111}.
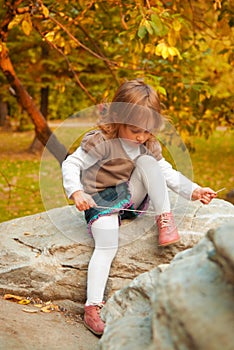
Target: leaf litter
{"x": 37, "y": 304}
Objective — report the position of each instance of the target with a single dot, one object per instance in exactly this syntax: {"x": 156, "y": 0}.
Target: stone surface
{"x": 38, "y": 331}
{"x": 187, "y": 304}
{"x": 47, "y": 254}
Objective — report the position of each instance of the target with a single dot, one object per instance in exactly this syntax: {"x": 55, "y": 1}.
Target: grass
{"x": 213, "y": 162}
{"x": 19, "y": 186}
{"x": 29, "y": 185}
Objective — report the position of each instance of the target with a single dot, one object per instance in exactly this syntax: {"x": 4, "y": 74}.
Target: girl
{"x": 120, "y": 166}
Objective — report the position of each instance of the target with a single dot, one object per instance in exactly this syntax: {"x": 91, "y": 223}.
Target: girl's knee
{"x": 107, "y": 222}
{"x": 105, "y": 231}
{"x": 146, "y": 160}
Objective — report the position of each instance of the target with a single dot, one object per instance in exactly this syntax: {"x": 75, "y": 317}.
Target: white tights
{"x": 146, "y": 178}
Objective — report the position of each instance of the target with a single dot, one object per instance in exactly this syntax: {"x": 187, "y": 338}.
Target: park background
{"x": 59, "y": 58}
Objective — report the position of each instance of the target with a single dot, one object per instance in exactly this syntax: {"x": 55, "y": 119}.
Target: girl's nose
{"x": 140, "y": 138}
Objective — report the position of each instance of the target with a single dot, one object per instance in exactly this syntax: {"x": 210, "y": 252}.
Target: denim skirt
{"x": 114, "y": 200}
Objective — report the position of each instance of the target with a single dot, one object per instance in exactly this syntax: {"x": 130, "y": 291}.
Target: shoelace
{"x": 99, "y": 307}
{"x": 165, "y": 221}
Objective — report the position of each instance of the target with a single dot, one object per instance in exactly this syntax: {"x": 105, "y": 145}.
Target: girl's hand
{"x": 82, "y": 200}
{"x": 204, "y": 194}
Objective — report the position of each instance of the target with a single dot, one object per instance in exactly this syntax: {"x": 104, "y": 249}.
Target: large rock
{"x": 47, "y": 254}
{"x": 188, "y": 304}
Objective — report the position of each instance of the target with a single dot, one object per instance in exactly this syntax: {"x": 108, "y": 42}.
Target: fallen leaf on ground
{"x": 50, "y": 308}
{"x": 44, "y": 307}
{"x": 24, "y": 302}
{"x": 12, "y": 297}
{"x": 30, "y": 311}
{"x": 16, "y": 299}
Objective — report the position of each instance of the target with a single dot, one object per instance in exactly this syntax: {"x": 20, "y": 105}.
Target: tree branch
{"x": 100, "y": 57}
{"x": 10, "y": 14}
{"x": 100, "y": 53}
{"x": 69, "y": 65}
{"x": 80, "y": 44}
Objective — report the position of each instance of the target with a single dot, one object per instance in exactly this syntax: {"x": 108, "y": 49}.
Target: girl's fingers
{"x": 207, "y": 197}
{"x": 85, "y": 205}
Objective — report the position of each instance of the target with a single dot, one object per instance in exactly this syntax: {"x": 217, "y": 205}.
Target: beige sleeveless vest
{"x": 114, "y": 165}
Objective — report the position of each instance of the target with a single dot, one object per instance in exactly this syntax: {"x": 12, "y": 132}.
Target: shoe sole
{"x": 92, "y": 330}
{"x": 168, "y": 243}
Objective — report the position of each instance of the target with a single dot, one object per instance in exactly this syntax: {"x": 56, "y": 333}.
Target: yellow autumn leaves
{"x": 16, "y": 298}
{"x": 38, "y": 306}
{"x": 24, "y": 20}
{"x": 167, "y": 30}
{"x": 164, "y": 50}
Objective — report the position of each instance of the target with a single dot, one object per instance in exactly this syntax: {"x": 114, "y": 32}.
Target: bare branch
{"x": 99, "y": 56}
{"x": 100, "y": 53}
{"x": 93, "y": 42}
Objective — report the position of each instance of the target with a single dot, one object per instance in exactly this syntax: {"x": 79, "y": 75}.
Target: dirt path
{"x": 37, "y": 331}
{"x": 53, "y": 331}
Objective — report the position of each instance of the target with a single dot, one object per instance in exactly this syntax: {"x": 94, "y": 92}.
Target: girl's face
{"x": 134, "y": 134}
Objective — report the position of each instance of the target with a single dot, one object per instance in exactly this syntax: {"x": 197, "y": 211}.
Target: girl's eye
{"x": 137, "y": 131}
{"x": 134, "y": 131}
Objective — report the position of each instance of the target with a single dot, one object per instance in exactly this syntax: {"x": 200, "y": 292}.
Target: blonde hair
{"x": 133, "y": 102}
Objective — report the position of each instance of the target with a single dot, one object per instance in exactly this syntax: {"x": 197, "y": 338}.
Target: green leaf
{"x": 156, "y": 19}
{"x": 148, "y": 27}
{"x": 157, "y": 24}
{"x": 161, "y": 90}
{"x": 142, "y": 31}
{"x": 155, "y": 28}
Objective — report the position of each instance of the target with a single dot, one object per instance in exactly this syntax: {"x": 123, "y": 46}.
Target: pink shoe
{"x": 167, "y": 230}
{"x": 92, "y": 319}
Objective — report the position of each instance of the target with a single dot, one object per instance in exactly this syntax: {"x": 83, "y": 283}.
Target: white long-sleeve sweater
{"x": 81, "y": 160}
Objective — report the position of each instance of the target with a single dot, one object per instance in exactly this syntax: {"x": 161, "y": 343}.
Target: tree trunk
{"x": 4, "y": 114}
{"x": 37, "y": 146}
{"x": 42, "y": 129}
{"x": 44, "y": 101}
